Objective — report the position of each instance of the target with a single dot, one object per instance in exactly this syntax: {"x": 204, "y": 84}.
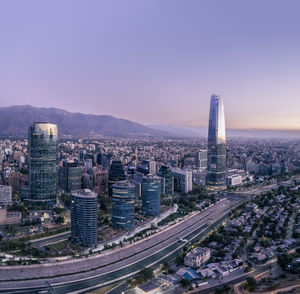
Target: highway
{"x": 113, "y": 266}
{"x": 63, "y": 236}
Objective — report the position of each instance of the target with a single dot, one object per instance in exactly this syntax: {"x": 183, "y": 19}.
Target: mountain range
{"x": 15, "y": 120}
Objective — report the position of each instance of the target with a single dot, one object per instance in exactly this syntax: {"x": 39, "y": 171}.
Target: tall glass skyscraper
{"x": 167, "y": 180}
{"x": 70, "y": 174}
{"x": 42, "y": 165}
{"x": 84, "y": 217}
{"x": 151, "y": 194}
{"x": 123, "y": 205}
{"x": 116, "y": 173}
{"x": 216, "y": 155}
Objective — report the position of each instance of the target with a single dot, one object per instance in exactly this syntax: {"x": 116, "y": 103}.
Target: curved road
{"x": 116, "y": 265}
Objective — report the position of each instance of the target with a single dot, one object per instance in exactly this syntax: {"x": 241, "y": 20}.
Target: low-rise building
{"x": 197, "y": 257}
{"x": 9, "y": 217}
{"x": 234, "y": 180}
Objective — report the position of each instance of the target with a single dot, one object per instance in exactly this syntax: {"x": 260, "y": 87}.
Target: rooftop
{"x": 84, "y": 193}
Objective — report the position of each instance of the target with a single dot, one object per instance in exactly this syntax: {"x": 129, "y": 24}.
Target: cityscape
{"x": 165, "y": 203}
{"x": 169, "y": 215}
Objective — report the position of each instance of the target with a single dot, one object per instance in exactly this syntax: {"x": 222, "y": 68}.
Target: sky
{"x": 155, "y": 61}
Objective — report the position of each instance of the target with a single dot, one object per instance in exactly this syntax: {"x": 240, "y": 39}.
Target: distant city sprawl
{"x": 144, "y": 212}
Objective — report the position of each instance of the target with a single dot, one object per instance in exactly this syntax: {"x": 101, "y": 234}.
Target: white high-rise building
{"x": 201, "y": 160}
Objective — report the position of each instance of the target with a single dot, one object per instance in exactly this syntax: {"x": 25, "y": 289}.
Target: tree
{"x": 60, "y": 219}
{"x": 284, "y": 259}
{"x": 144, "y": 275}
{"x": 179, "y": 259}
{"x": 248, "y": 268}
{"x": 166, "y": 266}
{"x": 251, "y": 282}
{"x": 185, "y": 282}
{"x": 66, "y": 199}
{"x": 224, "y": 289}
{"x": 58, "y": 210}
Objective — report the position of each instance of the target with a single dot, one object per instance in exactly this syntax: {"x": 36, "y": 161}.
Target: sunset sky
{"x": 155, "y": 61}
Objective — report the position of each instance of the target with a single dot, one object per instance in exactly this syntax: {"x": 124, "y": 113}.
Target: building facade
{"x": 201, "y": 160}
{"x": 147, "y": 166}
{"x": 9, "y": 217}
{"x": 100, "y": 181}
{"x": 70, "y": 176}
{"x": 151, "y": 195}
{"x": 5, "y": 195}
{"x": 137, "y": 181}
{"x": 123, "y": 205}
{"x": 42, "y": 165}
{"x": 84, "y": 217}
{"x": 183, "y": 180}
{"x": 116, "y": 173}
{"x": 197, "y": 257}
{"x": 167, "y": 186}
{"x": 216, "y": 155}
{"x": 234, "y": 180}
{"x": 14, "y": 180}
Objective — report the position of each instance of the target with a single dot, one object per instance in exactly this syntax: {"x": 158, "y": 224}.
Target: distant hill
{"x": 17, "y": 119}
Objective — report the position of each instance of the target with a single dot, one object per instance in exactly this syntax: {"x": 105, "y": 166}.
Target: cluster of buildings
{"x": 134, "y": 172}
{"x": 198, "y": 267}
{"x": 265, "y": 227}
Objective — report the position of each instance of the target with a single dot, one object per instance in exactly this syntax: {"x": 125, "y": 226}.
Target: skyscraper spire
{"x": 216, "y": 157}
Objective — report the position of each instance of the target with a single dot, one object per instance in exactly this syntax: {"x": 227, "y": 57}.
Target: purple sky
{"x": 155, "y": 61}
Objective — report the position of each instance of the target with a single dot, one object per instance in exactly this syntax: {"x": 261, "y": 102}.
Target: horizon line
{"x": 160, "y": 124}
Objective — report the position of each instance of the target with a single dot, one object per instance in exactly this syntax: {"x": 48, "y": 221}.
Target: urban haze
{"x": 149, "y": 147}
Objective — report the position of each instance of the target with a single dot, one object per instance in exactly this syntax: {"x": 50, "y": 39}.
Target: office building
{"x": 116, "y": 173}
{"x": 234, "y": 180}
{"x": 70, "y": 174}
{"x": 42, "y": 165}
{"x": 88, "y": 163}
{"x": 5, "y": 195}
{"x": 99, "y": 158}
{"x": 167, "y": 180}
{"x": 84, "y": 217}
{"x": 216, "y": 151}
{"x": 123, "y": 205}
{"x": 82, "y": 153}
{"x": 201, "y": 160}
{"x": 103, "y": 160}
{"x": 90, "y": 158}
{"x": 87, "y": 181}
{"x": 147, "y": 167}
{"x": 14, "y": 180}
{"x": 100, "y": 181}
{"x": 9, "y": 217}
{"x": 137, "y": 181}
{"x": 183, "y": 180}
{"x": 264, "y": 169}
{"x": 151, "y": 194}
